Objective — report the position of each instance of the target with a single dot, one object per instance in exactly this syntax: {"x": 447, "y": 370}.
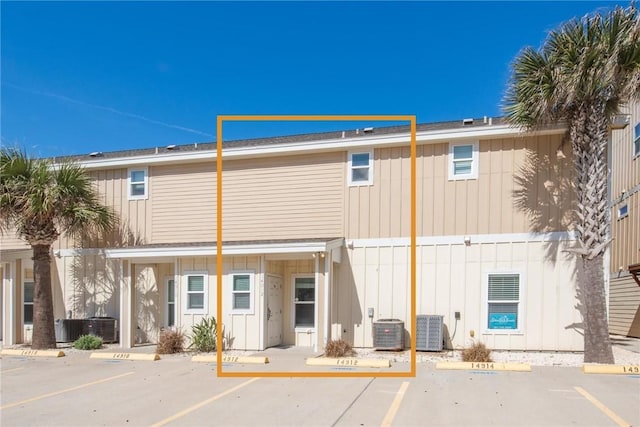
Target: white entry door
{"x": 274, "y": 310}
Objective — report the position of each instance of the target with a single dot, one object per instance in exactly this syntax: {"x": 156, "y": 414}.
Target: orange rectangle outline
{"x": 219, "y": 265}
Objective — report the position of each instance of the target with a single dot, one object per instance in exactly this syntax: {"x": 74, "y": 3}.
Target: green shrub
{"x": 170, "y": 342}
{"x": 88, "y": 342}
{"x": 478, "y": 352}
{"x": 339, "y": 348}
{"x": 203, "y": 338}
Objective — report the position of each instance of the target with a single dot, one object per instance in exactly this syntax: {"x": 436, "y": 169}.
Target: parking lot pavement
{"x": 78, "y": 391}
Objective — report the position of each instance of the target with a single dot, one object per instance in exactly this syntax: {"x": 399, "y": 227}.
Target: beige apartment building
{"x": 316, "y": 240}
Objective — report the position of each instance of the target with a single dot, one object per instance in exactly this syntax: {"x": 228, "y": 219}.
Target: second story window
{"x": 636, "y": 140}
{"x": 360, "y": 168}
{"x": 138, "y": 184}
{"x": 463, "y": 161}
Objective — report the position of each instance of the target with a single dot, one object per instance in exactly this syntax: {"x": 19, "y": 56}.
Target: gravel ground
{"x": 535, "y": 358}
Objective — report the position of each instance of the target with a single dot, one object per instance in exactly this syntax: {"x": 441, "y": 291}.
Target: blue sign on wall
{"x": 503, "y": 321}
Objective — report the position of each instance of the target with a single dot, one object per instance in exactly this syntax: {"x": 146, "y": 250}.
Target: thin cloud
{"x": 109, "y": 109}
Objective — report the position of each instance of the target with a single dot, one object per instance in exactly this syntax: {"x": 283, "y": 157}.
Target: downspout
{"x": 317, "y": 277}
{"x": 327, "y": 284}
{"x": 130, "y": 330}
{"x": 263, "y": 305}
{"x": 121, "y": 286}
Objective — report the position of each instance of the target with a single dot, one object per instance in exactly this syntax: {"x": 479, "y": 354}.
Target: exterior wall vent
{"x": 467, "y": 122}
{"x": 388, "y": 334}
{"x": 429, "y": 332}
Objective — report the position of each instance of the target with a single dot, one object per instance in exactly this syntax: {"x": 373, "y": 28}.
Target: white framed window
{"x": 304, "y": 302}
{"x": 463, "y": 161}
{"x": 636, "y": 140}
{"x": 504, "y": 306}
{"x": 138, "y": 183}
{"x": 170, "y": 318}
{"x": 360, "y": 168}
{"x": 623, "y": 211}
{"x": 242, "y": 285}
{"x": 195, "y": 292}
{"x": 27, "y": 308}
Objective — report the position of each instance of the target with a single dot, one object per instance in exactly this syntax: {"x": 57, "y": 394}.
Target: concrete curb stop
{"x": 33, "y": 353}
{"x": 485, "y": 366}
{"x": 125, "y": 356}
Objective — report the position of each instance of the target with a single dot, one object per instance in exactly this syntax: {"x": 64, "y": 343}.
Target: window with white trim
{"x": 195, "y": 300}
{"x": 242, "y": 293}
{"x": 27, "y": 310}
{"x": 304, "y": 301}
{"x": 138, "y": 184}
{"x": 463, "y": 161}
{"x": 636, "y": 140}
{"x": 503, "y": 302}
{"x": 360, "y": 168}
{"x": 171, "y": 303}
{"x": 623, "y": 211}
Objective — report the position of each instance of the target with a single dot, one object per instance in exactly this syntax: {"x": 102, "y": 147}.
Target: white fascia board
{"x": 475, "y": 239}
{"x": 424, "y": 137}
{"x": 257, "y": 249}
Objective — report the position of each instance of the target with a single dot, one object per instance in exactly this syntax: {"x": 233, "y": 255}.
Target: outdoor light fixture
{"x": 467, "y": 240}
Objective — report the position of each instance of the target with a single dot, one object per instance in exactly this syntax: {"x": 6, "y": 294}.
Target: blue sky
{"x": 100, "y": 76}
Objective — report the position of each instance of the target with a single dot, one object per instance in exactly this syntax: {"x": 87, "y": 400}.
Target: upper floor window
{"x": 463, "y": 161}
{"x": 636, "y": 140}
{"x": 138, "y": 183}
{"x": 360, "y": 168}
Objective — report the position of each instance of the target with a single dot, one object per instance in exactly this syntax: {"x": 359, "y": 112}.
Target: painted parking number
{"x": 230, "y": 359}
{"x": 347, "y": 362}
{"x": 631, "y": 369}
{"x": 29, "y": 352}
{"x": 476, "y": 365}
{"x": 121, "y": 356}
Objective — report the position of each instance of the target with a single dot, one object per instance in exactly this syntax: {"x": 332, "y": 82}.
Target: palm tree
{"x": 40, "y": 201}
{"x": 582, "y": 76}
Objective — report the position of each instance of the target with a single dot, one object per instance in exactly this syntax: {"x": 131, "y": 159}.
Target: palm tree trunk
{"x": 597, "y": 347}
{"x": 44, "y": 336}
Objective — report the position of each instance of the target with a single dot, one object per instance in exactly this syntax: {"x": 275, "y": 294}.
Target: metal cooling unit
{"x": 103, "y": 327}
{"x": 429, "y": 332}
{"x": 388, "y": 334}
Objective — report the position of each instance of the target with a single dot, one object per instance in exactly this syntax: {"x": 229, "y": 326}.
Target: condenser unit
{"x": 388, "y": 334}
{"x": 429, "y": 332}
{"x": 68, "y": 330}
{"x": 103, "y": 327}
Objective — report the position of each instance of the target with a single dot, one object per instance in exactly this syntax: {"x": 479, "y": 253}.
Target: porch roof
{"x": 244, "y": 247}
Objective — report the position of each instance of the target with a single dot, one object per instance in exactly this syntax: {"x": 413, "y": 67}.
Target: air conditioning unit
{"x": 388, "y": 334}
{"x": 68, "y": 330}
{"x": 103, "y": 327}
{"x": 429, "y": 332}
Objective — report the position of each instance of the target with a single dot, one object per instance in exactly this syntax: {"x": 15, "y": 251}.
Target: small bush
{"x": 478, "y": 352}
{"x": 339, "y": 348}
{"x": 170, "y": 342}
{"x": 203, "y": 338}
{"x": 88, "y": 342}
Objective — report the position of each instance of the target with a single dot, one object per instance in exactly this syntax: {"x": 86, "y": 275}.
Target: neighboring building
{"x": 624, "y": 279}
{"x": 316, "y": 232}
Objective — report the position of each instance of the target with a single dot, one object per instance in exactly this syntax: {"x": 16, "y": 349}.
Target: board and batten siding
{"x": 624, "y": 306}
{"x": 455, "y": 207}
{"x": 268, "y": 198}
{"x": 625, "y": 177}
{"x": 450, "y": 278}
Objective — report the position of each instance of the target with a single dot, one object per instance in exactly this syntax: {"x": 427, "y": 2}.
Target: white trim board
{"x": 369, "y": 142}
{"x": 176, "y": 251}
{"x": 460, "y": 239}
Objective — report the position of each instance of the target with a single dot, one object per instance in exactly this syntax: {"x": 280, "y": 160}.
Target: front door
{"x": 147, "y": 304}
{"x": 274, "y": 310}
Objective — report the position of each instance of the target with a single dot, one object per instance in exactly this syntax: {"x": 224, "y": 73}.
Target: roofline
{"x": 372, "y": 141}
{"x": 208, "y": 250}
